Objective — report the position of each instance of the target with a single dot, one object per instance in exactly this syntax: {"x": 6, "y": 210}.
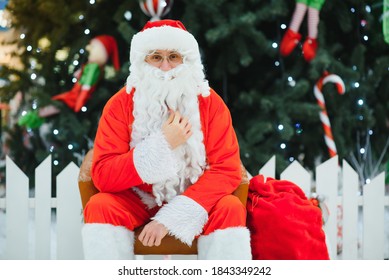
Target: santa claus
{"x": 166, "y": 155}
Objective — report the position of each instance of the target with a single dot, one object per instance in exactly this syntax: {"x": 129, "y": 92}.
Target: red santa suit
{"x": 134, "y": 176}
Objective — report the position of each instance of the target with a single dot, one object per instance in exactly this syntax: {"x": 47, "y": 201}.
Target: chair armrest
{"x": 242, "y": 192}
{"x": 87, "y": 189}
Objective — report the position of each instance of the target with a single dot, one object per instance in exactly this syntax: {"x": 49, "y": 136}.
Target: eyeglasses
{"x": 173, "y": 58}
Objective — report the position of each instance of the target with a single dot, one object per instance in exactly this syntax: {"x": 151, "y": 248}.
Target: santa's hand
{"x": 176, "y": 129}
{"x": 152, "y": 234}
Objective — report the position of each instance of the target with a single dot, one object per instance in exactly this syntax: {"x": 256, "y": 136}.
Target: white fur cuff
{"x": 154, "y": 160}
{"x": 107, "y": 242}
{"x": 225, "y": 244}
{"x": 183, "y": 217}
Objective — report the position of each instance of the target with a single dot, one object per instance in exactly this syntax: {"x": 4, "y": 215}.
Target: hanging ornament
{"x": 385, "y": 21}
{"x": 292, "y": 36}
{"x": 155, "y": 8}
{"x": 317, "y": 90}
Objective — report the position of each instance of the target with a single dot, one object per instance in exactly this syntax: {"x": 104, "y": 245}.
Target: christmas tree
{"x": 270, "y": 95}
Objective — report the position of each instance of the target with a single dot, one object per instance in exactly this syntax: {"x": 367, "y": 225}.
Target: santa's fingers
{"x": 158, "y": 240}
{"x": 171, "y": 116}
{"x": 177, "y": 117}
{"x": 184, "y": 122}
{"x": 142, "y": 235}
{"x": 188, "y": 134}
{"x": 188, "y": 130}
{"x": 147, "y": 238}
{"x": 151, "y": 241}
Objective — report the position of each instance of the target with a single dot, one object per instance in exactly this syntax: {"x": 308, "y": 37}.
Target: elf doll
{"x": 292, "y": 37}
{"x": 101, "y": 49}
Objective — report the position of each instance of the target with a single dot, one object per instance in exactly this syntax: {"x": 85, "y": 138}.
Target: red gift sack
{"x": 284, "y": 224}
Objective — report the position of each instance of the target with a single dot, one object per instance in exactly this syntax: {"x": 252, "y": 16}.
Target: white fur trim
{"x": 163, "y": 38}
{"x": 226, "y": 244}
{"x": 154, "y": 160}
{"x": 183, "y": 217}
{"x": 107, "y": 242}
{"x": 146, "y": 198}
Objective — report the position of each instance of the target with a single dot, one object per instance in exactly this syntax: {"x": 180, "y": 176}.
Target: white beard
{"x": 157, "y": 92}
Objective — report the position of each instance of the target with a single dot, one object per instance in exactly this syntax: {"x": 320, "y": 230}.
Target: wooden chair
{"x": 170, "y": 245}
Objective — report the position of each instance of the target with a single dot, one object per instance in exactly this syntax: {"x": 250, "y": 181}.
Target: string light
{"x": 84, "y": 109}
{"x": 92, "y": 2}
{"x": 22, "y": 36}
{"x": 366, "y": 38}
{"x": 55, "y": 131}
{"x": 29, "y": 48}
{"x": 277, "y": 63}
{"x": 370, "y": 132}
{"x": 352, "y": 10}
{"x": 283, "y": 146}
{"x": 128, "y": 15}
{"x": 291, "y": 81}
{"x": 70, "y": 147}
{"x": 81, "y": 17}
{"x": 298, "y": 127}
{"x": 33, "y": 63}
{"x": 280, "y": 127}
{"x": 55, "y": 162}
{"x": 362, "y": 150}
{"x": 291, "y": 159}
{"x": 356, "y": 84}
{"x": 360, "y": 102}
{"x": 283, "y": 26}
{"x": 274, "y": 45}
{"x": 51, "y": 149}
{"x": 86, "y": 31}
{"x": 74, "y": 80}
{"x": 33, "y": 76}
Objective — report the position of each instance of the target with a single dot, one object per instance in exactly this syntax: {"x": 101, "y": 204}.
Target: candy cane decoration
{"x": 317, "y": 90}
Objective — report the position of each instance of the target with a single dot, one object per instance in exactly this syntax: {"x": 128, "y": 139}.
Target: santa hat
{"x": 111, "y": 48}
{"x": 164, "y": 34}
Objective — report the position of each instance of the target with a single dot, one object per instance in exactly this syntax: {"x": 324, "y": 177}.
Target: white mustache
{"x": 167, "y": 75}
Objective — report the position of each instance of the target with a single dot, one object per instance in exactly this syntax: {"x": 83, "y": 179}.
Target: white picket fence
{"x": 338, "y": 185}
{"x": 68, "y": 212}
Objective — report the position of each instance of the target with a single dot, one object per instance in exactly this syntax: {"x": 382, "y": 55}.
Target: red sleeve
{"x": 223, "y": 174}
{"x": 113, "y": 167}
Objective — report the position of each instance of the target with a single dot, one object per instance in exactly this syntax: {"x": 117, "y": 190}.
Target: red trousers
{"x": 126, "y": 209}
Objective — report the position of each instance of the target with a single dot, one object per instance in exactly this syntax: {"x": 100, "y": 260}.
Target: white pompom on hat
{"x": 111, "y": 48}
{"x": 164, "y": 34}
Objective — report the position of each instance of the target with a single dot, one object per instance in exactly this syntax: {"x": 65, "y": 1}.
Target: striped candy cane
{"x": 317, "y": 90}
